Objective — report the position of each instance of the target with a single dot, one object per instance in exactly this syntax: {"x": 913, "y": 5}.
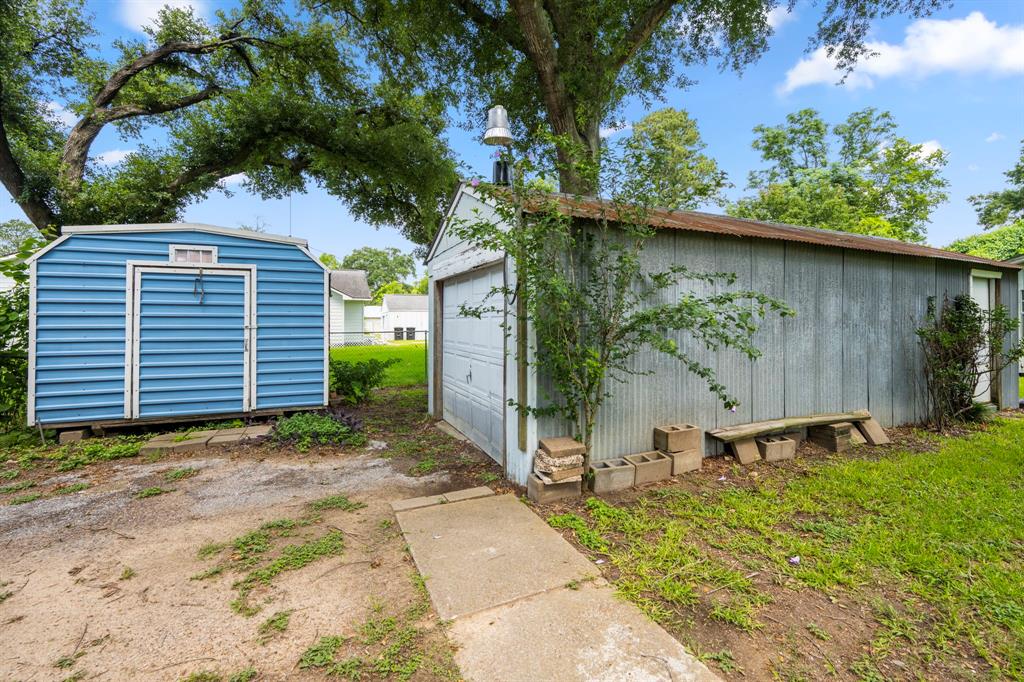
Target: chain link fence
{"x": 407, "y": 344}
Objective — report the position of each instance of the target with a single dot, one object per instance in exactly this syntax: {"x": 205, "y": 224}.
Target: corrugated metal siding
{"x": 1009, "y": 393}
{"x": 191, "y": 347}
{"x": 852, "y": 344}
{"x": 81, "y": 321}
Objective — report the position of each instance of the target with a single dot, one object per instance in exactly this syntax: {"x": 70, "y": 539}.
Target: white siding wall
{"x": 6, "y": 284}
{"x": 337, "y": 307}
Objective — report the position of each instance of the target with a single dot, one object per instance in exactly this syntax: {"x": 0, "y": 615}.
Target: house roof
{"x": 696, "y": 221}
{"x": 352, "y": 283}
{"x": 405, "y": 303}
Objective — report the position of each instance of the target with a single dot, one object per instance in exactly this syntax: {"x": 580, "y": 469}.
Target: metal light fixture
{"x": 498, "y": 132}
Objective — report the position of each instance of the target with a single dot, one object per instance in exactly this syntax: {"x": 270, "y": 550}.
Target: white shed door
{"x": 473, "y": 361}
{"x": 982, "y": 293}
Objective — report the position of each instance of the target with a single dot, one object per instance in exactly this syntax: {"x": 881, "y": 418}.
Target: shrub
{"x": 353, "y": 381}
{"x": 307, "y": 429}
{"x": 963, "y": 344}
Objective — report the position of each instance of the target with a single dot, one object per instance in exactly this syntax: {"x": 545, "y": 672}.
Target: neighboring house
{"x": 404, "y": 316}
{"x": 349, "y": 294}
{"x": 172, "y": 321}
{"x": 372, "y": 321}
{"x": 851, "y": 345}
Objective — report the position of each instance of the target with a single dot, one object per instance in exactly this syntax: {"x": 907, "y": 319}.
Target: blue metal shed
{"x": 174, "y": 321}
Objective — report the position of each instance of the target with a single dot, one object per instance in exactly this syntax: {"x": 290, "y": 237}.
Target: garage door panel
{"x": 473, "y": 361}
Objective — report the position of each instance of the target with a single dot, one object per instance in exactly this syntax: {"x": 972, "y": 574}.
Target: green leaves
{"x": 877, "y": 183}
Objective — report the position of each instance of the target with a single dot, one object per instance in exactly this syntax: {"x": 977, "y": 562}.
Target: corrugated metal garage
{"x": 851, "y": 345}
{"x": 172, "y": 321}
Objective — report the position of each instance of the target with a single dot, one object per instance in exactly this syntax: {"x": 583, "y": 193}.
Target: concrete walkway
{"x": 524, "y": 604}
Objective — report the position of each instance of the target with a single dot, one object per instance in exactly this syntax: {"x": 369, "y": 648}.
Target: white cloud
{"x": 994, "y": 137}
{"x": 973, "y": 167}
{"x": 929, "y": 147}
{"x": 780, "y": 15}
{"x": 138, "y": 13}
{"x": 113, "y": 157}
{"x": 969, "y": 45}
{"x": 615, "y": 130}
{"x": 236, "y": 179}
{"x": 66, "y": 117}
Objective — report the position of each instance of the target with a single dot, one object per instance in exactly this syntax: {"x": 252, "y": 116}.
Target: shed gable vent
{"x": 192, "y": 253}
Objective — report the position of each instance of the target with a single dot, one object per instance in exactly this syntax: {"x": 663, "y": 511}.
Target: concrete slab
{"x": 481, "y": 553}
{"x": 468, "y": 494}
{"x": 587, "y": 634}
{"x": 225, "y": 439}
{"x": 417, "y": 503}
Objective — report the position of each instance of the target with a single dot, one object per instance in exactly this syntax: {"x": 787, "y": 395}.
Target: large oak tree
{"x": 568, "y": 65}
{"x": 284, "y": 100}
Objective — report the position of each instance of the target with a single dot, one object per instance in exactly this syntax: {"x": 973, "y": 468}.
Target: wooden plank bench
{"x": 742, "y": 436}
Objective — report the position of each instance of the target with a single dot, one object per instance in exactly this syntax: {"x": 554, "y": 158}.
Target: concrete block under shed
{"x": 678, "y": 438}
{"x": 610, "y": 475}
{"x": 562, "y": 446}
{"x": 746, "y": 451}
{"x": 545, "y": 492}
{"x": 856, "y": 437}
{"x": 873, "y": 432}
{"x": 688, "y": 460}
{"x": 776, "y": 448}
{"x": 73, "y": 436}
{"x": 650, "y": 466}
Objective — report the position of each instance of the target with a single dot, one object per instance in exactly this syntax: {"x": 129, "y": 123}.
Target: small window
{"x": 189, "y": 253}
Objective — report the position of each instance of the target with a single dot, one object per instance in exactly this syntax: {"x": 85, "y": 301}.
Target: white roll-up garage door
{"x": 473, "y": 355}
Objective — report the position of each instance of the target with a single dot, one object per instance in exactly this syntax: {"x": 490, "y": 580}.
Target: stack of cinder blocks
{"x": 683, "y": 443}
{"x": 832, "y": 437}
{"x": 557, "y": 470}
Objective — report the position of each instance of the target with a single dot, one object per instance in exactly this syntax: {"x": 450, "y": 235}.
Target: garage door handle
{"x": 469, "y": 377}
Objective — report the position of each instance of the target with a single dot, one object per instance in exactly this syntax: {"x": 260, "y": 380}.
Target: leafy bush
{"x": 963, "y": 344}
{"x": 307, "y": 429}
{"x": 13, "y": 354}
{"x": 353, "y": 381}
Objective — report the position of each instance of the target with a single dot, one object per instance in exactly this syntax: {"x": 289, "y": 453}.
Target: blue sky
{"x": 955, "y": 79}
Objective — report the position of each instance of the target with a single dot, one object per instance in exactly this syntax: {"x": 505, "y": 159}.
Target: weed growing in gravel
{"x": 292, "y": 558}
{"x": 9, "y": 474}
{"x": 15, "y": 487}
{"x": 274, "y": 625}
{"x": 70, "y": 488}
{"x": 425, "y": 466}
{"x": 127, "y": 574}
{"x": 65, "y": 662}
{"x": 153, "y": 492}
{"x": 178, "y": 474}
{"x": 25, "y": 499}
{"x": 75, "y": 455}
{"x": 246, "y": 675}
{"x": 335, "y": 502}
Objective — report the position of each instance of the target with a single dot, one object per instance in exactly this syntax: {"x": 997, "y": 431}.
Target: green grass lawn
{"x": 929, "y": 544}
{"x": 410, "y": 371}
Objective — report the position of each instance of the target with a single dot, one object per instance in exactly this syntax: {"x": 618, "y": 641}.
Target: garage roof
{"x": 352, "y": 283}
{"x": 696, "y": 221}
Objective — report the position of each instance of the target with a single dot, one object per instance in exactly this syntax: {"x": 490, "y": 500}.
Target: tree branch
{"x": 479, "y": 16}
{"x": 640, "y": 32}
{"x": 13, "y": 179}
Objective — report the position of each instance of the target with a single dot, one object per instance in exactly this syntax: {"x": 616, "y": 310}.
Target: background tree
{"x": 330, "y": 260}
{"x": 857, "y": 176}
{"x": 1002, "y": 243}
{"x": 382, "y": 265}
{"x": 260, "y": 91}
{"x": 13, "y": 233}
{"x": 568, "y": 66}
{"x": 664, "y": 154}
{"x": 1006, "y": 206}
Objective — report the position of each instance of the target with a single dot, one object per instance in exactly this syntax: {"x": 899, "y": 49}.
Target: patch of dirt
{"x": 100, "y": 580}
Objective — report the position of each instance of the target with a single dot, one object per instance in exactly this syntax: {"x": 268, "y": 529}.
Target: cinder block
{"x": 746, "y": 451}
{"x": 610, "y": 475}
{"x": 688, "y": 460}
{"x": 562, "y": 446}
{"x": 544, "y": 492}
{"x": 776, "y": 448}
{"x": 832, "y": 437}
{"x": 650, "y": 466}
{"x": 73, "y": 436}
{"x": 856, "y": 437}
{"x": 678, "y": 438}
{"x": 873, "y": 432}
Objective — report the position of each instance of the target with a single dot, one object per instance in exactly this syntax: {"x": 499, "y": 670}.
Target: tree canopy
{"x": 1001, "y": 243}
{"x": 13, "y": 233}
{"x": 274, "y": 98}
{"x": 569, "y": 66}
{"x": 382, "y": 266}
{"x": 1005, "y": 206}
{"x": 665, "y": 162}
{"x": 856, "y": 176}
